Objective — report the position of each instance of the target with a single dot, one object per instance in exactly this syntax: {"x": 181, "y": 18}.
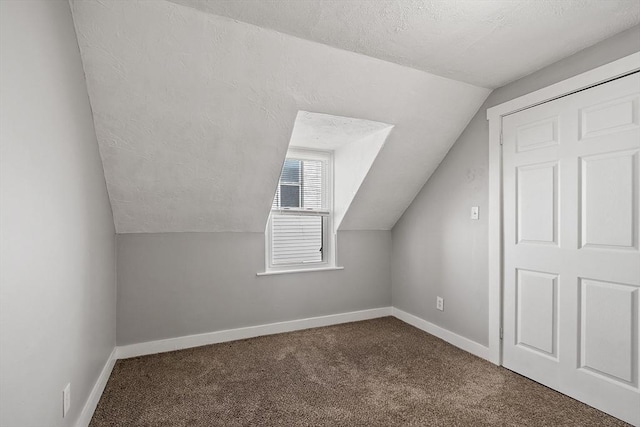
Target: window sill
{"x": 300, "y": 270}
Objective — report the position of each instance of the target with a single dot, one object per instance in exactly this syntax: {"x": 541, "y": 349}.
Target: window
{"x": 299, "y": 231}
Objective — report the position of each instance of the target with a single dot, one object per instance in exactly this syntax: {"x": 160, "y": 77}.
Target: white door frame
{"x": 495, "y": 114}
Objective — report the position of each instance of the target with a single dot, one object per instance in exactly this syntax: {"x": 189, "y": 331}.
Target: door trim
{"x": 598, "y": 75}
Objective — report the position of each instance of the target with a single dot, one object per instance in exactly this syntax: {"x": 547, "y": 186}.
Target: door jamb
{"x": 610, "y": 71}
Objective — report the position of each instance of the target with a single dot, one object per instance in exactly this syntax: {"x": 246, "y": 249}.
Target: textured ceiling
{"x": 194, "y": 113}
{"x": 326, "y": 132}
{"x": 483, "y": 42}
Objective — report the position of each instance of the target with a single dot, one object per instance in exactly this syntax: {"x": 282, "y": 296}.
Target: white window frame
{"x": 328, "y": 238}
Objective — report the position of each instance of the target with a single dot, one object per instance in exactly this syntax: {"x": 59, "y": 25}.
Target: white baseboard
{"x": 92, "y": 402}
{"x": 179, "y": 343}
{"x": 189, "y": 341}
{"x": 452, "y": 338}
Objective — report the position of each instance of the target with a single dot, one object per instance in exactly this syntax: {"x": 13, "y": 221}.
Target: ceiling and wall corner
{"x": 488, "y": 43}
{"x": 194, "y": 113}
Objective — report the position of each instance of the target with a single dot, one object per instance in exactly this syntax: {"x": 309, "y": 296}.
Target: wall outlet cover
{"x": 440, "y": 303}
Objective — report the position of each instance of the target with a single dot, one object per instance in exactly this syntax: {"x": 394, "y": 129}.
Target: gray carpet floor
{"x": 380, "y": 372}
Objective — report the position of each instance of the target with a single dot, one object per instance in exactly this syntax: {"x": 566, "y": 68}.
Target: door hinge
{"x": 500, "y": 136}
{"x": 501, "y": 333}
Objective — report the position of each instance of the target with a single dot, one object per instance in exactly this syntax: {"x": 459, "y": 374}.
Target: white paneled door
{"x": 571, "y": 256}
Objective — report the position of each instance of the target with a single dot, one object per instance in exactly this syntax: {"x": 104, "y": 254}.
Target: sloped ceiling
{"x": 194, "y": 112}
{"x": 484, "y": 42}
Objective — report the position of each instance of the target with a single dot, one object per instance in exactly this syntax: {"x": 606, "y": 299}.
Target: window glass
{"x": 291, "y": 171}
{"x": 289, "y": 196}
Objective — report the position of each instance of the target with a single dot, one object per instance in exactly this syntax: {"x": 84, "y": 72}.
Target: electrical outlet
{"x": 440, "y": 303}
{"x": 66, "y": 400}
{"x": 475, "y": 212}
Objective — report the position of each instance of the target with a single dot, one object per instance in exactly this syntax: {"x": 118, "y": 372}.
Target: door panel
{"x": 532, "y": 136}
{"x": 571, "y": 257}
{"x": 608, "y": 212}
{"x": 536, "y": 311}
{"x": 608, "y": 313}
{"x": 608, "y": 117}
{"x": 537, "y": 195}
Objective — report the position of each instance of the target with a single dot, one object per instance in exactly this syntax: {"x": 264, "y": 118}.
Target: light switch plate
{"x": 475, "y": 212}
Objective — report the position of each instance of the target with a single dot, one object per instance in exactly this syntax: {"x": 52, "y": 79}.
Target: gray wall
{"x": 175, "y": 284}
{"x": 57, "y": 251}
{"x": 437, "y": 249}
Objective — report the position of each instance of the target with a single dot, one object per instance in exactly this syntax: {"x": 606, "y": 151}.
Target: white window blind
{"x": 297, "y": 239}
{"x": 299, "y": 213}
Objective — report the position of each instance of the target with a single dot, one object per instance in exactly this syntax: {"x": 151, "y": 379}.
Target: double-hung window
{"x": 299, "y": 231}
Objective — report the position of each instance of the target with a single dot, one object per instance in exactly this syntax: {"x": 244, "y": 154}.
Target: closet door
{"x": 572, "y": 261}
